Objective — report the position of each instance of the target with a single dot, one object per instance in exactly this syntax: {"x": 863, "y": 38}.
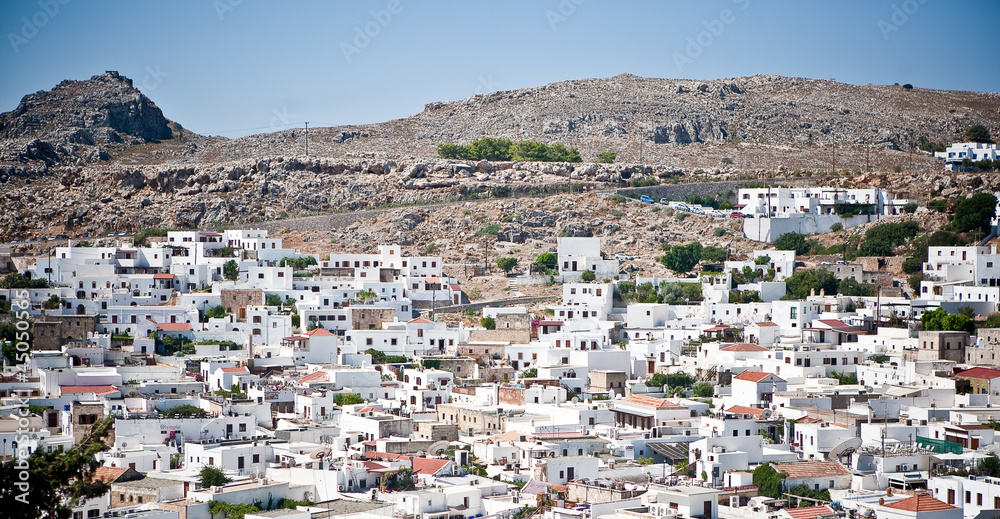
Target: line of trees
{"x": 489, "y": 148}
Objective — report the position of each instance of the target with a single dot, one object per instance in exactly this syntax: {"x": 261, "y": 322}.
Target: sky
{"x": 239, "y": 67}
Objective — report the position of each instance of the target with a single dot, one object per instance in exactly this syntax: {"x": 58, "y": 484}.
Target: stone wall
{"x": 51, "y": 332}
{"x": 236, "y": 301}
{"x": 371, "y": 318}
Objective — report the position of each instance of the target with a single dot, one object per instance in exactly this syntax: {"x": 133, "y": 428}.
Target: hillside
{"x": 94, "y": 156}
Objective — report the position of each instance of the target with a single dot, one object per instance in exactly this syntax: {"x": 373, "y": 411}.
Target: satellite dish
{"x": 438, "y": 448}
{"x": 320, "y": 453}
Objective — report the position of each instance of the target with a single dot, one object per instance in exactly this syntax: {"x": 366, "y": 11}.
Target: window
{"x": 243, "y": 427}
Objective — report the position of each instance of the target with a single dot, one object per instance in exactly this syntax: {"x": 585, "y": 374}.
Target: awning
{"x": 671, "y": 451}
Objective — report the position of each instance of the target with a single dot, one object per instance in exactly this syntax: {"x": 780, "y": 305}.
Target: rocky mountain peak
{"x": 80, "y": 118}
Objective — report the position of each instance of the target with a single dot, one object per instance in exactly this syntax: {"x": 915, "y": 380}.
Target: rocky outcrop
{"x": 80, "y": 120}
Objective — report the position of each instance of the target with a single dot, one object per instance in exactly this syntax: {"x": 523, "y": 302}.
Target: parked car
{"x": 737, "y": 214}
{"x": 646, "y": 199}
{"x": 665, "y": 201}
{"x": 624, "y": 257}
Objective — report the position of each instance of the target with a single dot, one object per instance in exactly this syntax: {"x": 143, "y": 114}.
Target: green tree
{"x": 272, "y": 300}
{"x": 704, "y": 390}
{"x": 212, "y": 477}
{"x": 53, "y": 302}
{"x": 768, "y": 481}
{"x": 547, "y": 260}
{"x": 993, "y": 321}
{"x": 974, "y": 213}
{"x": 529, "y": 373}
{"x": 792, "y": 241}
{"x": 216, "y": 312}
{"x": 454, "y": 151}
{"x": 978, "y": 133}
{"x": 644, "y": 461}
{"x": 506, "y": 264}
{"x": 488, "y": 322}
{"x": 910, "y": 208}
{"x": 940, "y": 320}
{"x": 587, "y": 276}
{"x": 57, "y": 480}
{"x": 657, "y": 380}
{"x": 606, "y": 157}
{"x": 231, "y": 270}
{"x": 529, "y": 151}
{"x": 803, "y": 282}
{"x": 18, "y": 280}
{"x": 488, "y": 148}
{"x": 713, "y": 254}
{"x": 851, "y": 287}
{"x": 846, "y": 379}
{"x": 681, "y": 258}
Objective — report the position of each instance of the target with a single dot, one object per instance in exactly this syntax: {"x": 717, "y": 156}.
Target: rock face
{"x": 81, "y": 119}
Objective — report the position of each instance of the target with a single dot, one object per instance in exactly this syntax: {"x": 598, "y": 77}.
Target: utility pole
{"x": 834, "y": 135}
{"x": 307, "y": 138}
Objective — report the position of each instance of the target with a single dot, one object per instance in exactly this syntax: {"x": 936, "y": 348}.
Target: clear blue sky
{"x": 236, "y": 67}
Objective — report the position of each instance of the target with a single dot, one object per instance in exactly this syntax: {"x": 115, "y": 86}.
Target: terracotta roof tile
{"x": 742, "y": 409}
{"x": 920, "y": 503}
{"x": 312, "y": 376}
{"x": 743, "y": 346}
{"x": 173, "y": 327}
{"x": 648, "y": 401}
{"x": 752, "y": 376}
{"x": 240, "y": 369}
{"x": 97, "y": 390}
{"x": 980, "y": 373}
{"x": 318, "y": 332}
{"x": 108, "y": 474}
{"x": 420, "y": 465}
{"x": 810, "y": 512}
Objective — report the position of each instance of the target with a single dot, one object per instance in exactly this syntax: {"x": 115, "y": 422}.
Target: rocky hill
{"x": 97, "y": 155}
{"x": 80, "y": 121}
{"x": 666, "y": 120}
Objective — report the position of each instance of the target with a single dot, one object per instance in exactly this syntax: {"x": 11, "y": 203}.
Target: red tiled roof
{"x": 97, "y": 390}
{"x": 810, "y": 512}
{"x": 418, "y": 320}
{"x": 163, "y": 276}
{"x": 318, "y": 332}
{"x": 812, "y": 469}
{"x": 742, "y": 409}
{"x": 173, "y": 327}
{"x": 108, "y": 474}
{"x": 920, "y": 503}
{"x": 743, "y": 346}
{"x": 765, "y": 323}
{"x": 240, "y": 369}
{"x": 312, "y": 376}
{"x": 420, "y": 465}
{"x": 717, "y": 328}
{"x": 833, "y": 323}
{"x": 648, "y": 401}
{"x": 980, "y": 373}
{"x": 752, "y": 376}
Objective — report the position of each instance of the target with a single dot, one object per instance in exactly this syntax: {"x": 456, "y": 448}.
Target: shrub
{"x": 212, "y": 477}
{"x": 342, "y": 399}
{"x": 506, "y": 264}
{"x": 719, "y": 231}
{"x": 301, "y": 263}
{"x": 231, "y": 270}
{"x": 907, "y": 86}
{"x": 681, "y": 258}
{"x": 792, "y": 241}
{"x": 837, "y": 227}
{"x": 978, "y": 133}
{"x": 910, "y": 208}
{"x": 489, "y": 323}
{"x": 643, "y": 182}
{"x": 587, "y": 276}
{"x": 681, "y": 215}
{"x": 216, "y": 312}
{"x": 606, "y": 157}
{"x": 974, "y": 213}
